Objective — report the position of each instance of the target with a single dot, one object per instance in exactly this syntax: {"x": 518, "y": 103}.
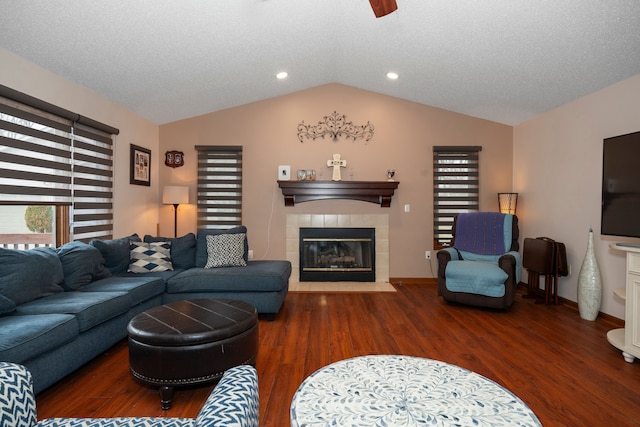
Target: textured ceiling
{"x": 501, "y": 60}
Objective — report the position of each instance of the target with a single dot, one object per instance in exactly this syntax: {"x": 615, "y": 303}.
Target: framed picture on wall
{"x": 140, "y": 172}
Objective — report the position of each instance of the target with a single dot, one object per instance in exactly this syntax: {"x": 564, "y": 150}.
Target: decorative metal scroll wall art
{"x": 333, "y": 126}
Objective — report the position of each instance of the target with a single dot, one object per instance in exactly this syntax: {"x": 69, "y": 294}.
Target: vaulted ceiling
{"x": 501, "y": 60}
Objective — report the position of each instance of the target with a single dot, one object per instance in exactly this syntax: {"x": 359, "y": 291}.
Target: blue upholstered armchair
{"x": 483, "y": 265}
{"x": 232, "y": 403}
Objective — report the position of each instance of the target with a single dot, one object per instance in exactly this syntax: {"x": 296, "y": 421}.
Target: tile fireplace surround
{"x": 379, "y": 222}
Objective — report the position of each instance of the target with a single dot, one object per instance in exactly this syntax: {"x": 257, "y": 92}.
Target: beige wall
{"x": 404, "y": 135}
{"x": 135, "y": 207}
{"x": 558, "y": 173}
{"x": 557, "y": 163}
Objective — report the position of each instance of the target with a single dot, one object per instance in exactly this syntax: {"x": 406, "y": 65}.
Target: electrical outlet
{"x": 427, "y": 254}
{"x": 250, "y": 254}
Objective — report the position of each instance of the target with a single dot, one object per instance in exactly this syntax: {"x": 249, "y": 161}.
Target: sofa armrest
{"x": 511, "y": 263}
{"x": 444, "y": 256}
{"x": 17, "y": 402}
{"x": 234, "y": 402}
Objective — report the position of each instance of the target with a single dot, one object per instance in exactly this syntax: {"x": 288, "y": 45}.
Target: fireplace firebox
{"x": 337, "y": 255}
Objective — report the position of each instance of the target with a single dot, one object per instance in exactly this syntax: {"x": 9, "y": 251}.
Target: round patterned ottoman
{"x": 191, "y": 342}
{"x": 404, "y": 391}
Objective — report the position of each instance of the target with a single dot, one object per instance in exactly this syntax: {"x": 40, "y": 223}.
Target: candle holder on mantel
{"x": 390, "y": 174}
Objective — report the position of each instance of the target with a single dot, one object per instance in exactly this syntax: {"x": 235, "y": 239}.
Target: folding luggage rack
{"x": 543, "y": 256}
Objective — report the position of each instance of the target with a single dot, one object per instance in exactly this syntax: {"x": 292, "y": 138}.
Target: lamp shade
{"x": 507, "y": 203}
{"x": 175, "y": 195}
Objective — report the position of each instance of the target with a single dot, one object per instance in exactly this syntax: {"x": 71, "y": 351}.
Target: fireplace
{"x": 337, "y": 254}
{"x": 380, "y": 222}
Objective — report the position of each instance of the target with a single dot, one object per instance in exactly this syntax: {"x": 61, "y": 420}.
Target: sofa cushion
{"x": 225, "y": 250}
{"x": 164, "y": 275}
{"x": 183, "y": 249}
{"x": 31, "y": 274}
{"x": 90, "y": 308}
{"x": 149, "y": 257}
{"x": 115, "y": 252}
{"x": 139, "y": 287}
{"x": 24, "y": 338}
{"x": 476, "y": 277}
{"x": 257, "y": 276}
{"x": 6, "y": 305}
{"x": 201, "y": 245}
{"x": 82, "y": 264}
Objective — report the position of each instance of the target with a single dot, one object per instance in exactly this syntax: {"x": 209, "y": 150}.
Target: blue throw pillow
{"x": 115, "y": 252}
{"x": 201, "y": 246}
{"x": 6, "y": 305}
{"x": 183, "y": 249}
{"x": 81, "y": 264}
{"x": 31, "y": 274}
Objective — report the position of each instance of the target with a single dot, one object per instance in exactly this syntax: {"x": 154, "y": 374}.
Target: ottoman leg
{"x": 166, "y": 397}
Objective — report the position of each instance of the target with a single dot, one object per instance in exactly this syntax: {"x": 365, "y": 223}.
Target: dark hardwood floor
{"x": 561, "y": 366}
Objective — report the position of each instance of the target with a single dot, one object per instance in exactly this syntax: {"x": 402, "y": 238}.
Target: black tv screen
{"x": 621, "y": 186}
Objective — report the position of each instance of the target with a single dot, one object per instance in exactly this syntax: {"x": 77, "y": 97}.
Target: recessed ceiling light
{"x": 392, "y": 76}
{"x": 282, "y": 75}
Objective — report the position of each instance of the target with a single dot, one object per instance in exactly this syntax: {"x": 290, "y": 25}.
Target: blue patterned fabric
{"x": 17, "y": 402}
{"x": 389, "y": 390}
{"x": 233, "y": 403}
{"x": 487, "y": 233}
{"x": 117, "y": 422}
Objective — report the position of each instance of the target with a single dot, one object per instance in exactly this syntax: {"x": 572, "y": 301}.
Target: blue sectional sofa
{"x": 60, "y": 308}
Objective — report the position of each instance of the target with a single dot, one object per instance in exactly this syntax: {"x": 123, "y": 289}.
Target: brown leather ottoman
{"x": 191, "y": 342}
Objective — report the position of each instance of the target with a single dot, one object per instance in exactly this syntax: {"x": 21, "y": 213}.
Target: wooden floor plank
{"x": 561, "y": 366}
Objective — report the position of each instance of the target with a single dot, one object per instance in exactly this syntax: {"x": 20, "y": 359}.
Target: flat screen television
{"x": 621, "y": 186}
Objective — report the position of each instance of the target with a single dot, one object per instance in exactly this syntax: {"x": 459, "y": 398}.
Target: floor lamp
{"x": 175, "y": 195}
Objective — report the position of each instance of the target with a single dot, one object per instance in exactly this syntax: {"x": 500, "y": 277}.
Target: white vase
{"x": 589, "y": 284}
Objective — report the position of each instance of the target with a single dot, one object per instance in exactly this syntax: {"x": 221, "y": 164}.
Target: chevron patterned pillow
{"x": 17, "y": 402}
{"x": 148, "y": 257}
{"x": 234, "y": 402}
{"x": 225, "y": 250}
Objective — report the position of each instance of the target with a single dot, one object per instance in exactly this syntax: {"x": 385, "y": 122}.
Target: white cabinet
{"x": 627, "y": 339}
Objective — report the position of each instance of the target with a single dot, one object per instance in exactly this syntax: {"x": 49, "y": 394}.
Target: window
{"x": 58, "y": 159}
{"x": 219, "y": 186}
{"x": 455, "y": 188}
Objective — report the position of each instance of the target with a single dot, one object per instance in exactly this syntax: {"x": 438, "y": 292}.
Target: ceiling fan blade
{"x": 383, "y": 7}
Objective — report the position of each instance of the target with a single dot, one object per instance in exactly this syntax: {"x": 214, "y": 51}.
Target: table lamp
{"x": 507, "y": 203}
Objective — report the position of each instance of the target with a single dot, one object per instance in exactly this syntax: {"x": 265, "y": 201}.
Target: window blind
{"x": 92, "y": 214}
{"x": 455, "y": 188}
{"x": 219, "y": 186}
{"x": 35, "y": 156}
{"x": 52, "y": 156}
